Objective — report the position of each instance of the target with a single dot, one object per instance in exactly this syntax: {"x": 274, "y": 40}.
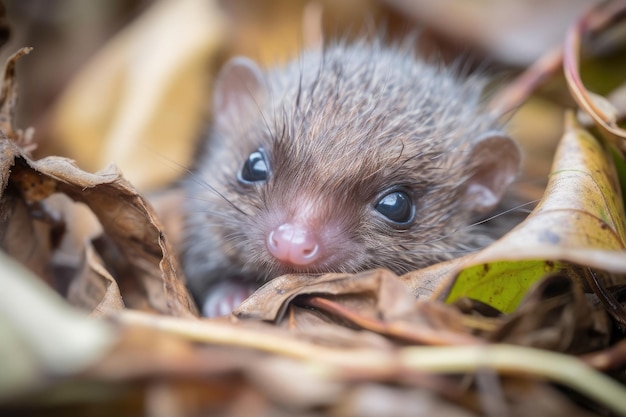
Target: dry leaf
{"x": 93, "y": 288}
{"x": 556, "y": 315}
{"x": 150, "y": 271}
{"x": 580, "y": 220}
{"x": 270, "y": 302}
{"x": 374, "y": 300}
{"x": 407, "y": 364}
{"x": 139, "y": 103}
{"x": 30, "y": 230}
{"x": 344, "y": 344}
{"x": 597, "y": 107}
{"x": 8, "y": 101}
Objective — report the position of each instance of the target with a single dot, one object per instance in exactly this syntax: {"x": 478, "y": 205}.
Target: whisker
{"x": 203, "y": 183}
{"x": 478, "y": 223}
{"x": 512, "y": 209}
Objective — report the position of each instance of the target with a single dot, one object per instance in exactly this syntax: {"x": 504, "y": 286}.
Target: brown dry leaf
{"x": 167, "y": 204}
{"x": 349, "y": 365}
{"x": 321, "y": 328}
{"x": 271, "y": 301}
{"x": 556, "y": 315}
{"x": 199, "y": 366}
{"x": 341, "y": 346}
{"x": 146, "y": 269}
{"x": 8, "y": 102}
{"x": 150, "y": 277}
{"x": 21, "y": 236}
{"x": 16, "y": 222}
{"x": 93, "y": 286}
{"x": 375, "y": 300}
{"x": 425, "y": 282}
{"x": 143, "y": 95}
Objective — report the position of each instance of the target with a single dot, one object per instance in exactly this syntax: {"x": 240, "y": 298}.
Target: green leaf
{"x": 502, "y": 285}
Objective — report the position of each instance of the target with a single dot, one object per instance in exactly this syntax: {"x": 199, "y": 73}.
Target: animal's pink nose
{"x": 293, "y": 244}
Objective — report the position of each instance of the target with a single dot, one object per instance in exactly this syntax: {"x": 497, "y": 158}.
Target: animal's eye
{"x": 255, "y": 169}
{"x": 397, "y": 207}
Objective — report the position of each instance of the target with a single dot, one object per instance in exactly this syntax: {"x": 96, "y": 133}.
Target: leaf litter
{"x": 539, "y": 311}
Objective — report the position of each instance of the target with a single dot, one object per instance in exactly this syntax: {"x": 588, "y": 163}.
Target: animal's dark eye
{"x": 396, "y": 206}
{"x": 255, "y": 169}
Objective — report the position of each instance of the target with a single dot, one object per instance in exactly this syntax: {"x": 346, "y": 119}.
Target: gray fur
{"x": 342, "y": 125}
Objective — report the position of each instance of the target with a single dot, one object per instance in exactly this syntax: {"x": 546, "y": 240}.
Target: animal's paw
{"x": 225, "y": 296}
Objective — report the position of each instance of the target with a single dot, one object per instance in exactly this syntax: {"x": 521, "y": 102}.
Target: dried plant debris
{"x": 95, "y": 316}
{"x": 580, "y": 220}
{"x": 600, "y": 109}
{"x": 144, "y": 268}
{"x": 152, "y": 90}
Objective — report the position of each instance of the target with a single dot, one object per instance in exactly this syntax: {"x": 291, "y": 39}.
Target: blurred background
{"x": 129, "y": 81}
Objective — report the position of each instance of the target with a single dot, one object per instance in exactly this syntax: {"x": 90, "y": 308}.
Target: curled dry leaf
{"x": 15, "y": 219}
{"x": 149, "y": 276}
{"x": 8, "y": 102}
{"x": 271, "y": 301}
{"x": 597, "y": 107}
{"x": 93, "y": 287}
{"x": 579, "y": 220}
{"x": 31, "y": 232}
{"x": 125, "y": 217}
{"x": 375, "y": 300}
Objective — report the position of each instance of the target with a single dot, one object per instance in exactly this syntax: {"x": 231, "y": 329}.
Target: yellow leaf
{"x": 143, "y": 95}
{"x": 500, "y": 284}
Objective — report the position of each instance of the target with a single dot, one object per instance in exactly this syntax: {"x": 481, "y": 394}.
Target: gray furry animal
{"x": 354, "y": 157}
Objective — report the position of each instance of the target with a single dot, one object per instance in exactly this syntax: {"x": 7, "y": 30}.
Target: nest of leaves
{"x": 532, "y": 325}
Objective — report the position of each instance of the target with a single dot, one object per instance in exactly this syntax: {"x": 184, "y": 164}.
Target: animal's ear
{"x": 495, "y": 161}
{"x": 239, "y": 88}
